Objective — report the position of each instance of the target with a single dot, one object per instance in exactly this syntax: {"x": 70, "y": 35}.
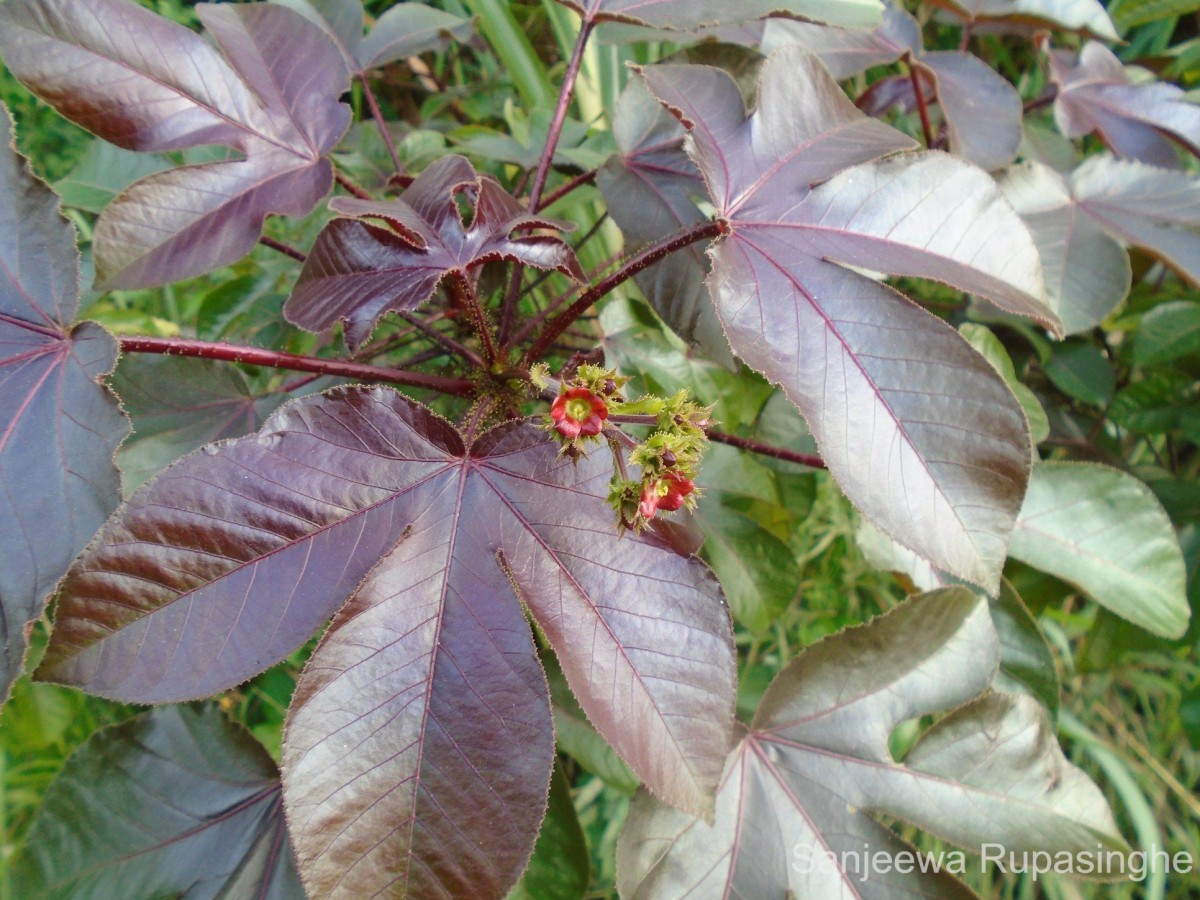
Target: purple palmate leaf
{"x": 59, "y": 428}
{"x": 1135, "y": 120}
{"x": 358, "y": 270}
{"x": 1081, "y": 220}
{"x": 145, "y": 83}
{"x": 1087, "y": 16}
{"x": 793, "y": 813}
{"x": 982, "y": 111}
{"x": 234, "y": 556}
{"x": 918, "y": 428}
{"x": 404, "y": 30}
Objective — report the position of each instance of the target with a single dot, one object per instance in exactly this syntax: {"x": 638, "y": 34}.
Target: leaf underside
{"x": 921, "y": 433}
{"x": 794, "y": 803}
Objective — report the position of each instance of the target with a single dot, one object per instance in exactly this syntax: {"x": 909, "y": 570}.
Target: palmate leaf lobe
{"x": 793, "y": 812}
{"x": 919, "y": 430}
{"x": 178, "y": 801}
{"x": 425, "y": 703}
{"x": 146, "y": 83}
{"x": 59, "y": 427}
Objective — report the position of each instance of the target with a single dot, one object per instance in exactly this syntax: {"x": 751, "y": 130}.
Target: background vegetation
{"x": 1127, "y": 394}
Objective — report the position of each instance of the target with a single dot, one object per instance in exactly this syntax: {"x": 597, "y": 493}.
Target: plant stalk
{"x": 256, "y": 356}
{"x": 636, "y": 264}
{"x": 377, "y": 115}
{"x": 923, "y": 108}
{"x": 509, "y": 309}
{"x": 803, "y": 459}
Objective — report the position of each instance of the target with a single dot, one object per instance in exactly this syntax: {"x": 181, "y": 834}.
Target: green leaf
{"x": 1127, "y": 13}
{"x": 560, "y": 866}
{"x": 1105, "y": 532}
{"x": 1026, "y": 662}
{"x": 982, "y": 339}
{"x": 103, "y": 172}
{"x": 1167, "y": 332}
{"x": 1082, "y": 372}
{"x": 756, "y": 569}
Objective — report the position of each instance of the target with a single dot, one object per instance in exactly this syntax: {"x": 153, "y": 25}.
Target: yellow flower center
{"x": 579, "y": 410}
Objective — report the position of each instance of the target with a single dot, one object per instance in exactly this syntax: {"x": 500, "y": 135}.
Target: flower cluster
{"x": 669, "y": 459}
{"x": 589, "y": 404}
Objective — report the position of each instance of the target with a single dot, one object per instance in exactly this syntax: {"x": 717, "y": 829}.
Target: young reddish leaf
{"x": 148, "y": 84}
{"x": 357, "y": 270}
{"x": 1081, "y": 221}
{"x": 920, "y": 431}
{"x": 689, "y": 15}
{"x": 650, "y": 186}
{"x": 1087, "y": 16}
{"x": 402, "y": 31}
{"x": 1135, "y": 120}
{"x": 59, "y": 428}
{"x": 235, "y": 555}
{"x": 982, "y": 110}
{"x": 176, "y": 802}
{"x": 799, "y": 788}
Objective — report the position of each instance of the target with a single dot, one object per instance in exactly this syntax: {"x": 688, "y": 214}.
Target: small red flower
{"x": 666, "y": 493}
{"x": 578, "y": 412}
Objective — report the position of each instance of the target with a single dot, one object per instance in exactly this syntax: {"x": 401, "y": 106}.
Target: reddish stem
{"x": 282, "y": 248}
{"x": 919, "y": 90}
{"x": 558, "y": 193}
{"x": 566, "y": 89}
{"x": 350, "y": 186}
{"x": 804, "y": 459}
{"x": 463, "y": 292}
{"x": 443, "y": 339}
{"x": 377, "y": 115}
{"x": 638, "y": 263}
{"x": 256, "y": 356}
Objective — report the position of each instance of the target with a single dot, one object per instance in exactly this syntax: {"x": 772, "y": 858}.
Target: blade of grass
{"x": 510, "y": 44}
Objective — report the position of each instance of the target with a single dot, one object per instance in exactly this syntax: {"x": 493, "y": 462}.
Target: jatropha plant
{"x": 392, "y": 420}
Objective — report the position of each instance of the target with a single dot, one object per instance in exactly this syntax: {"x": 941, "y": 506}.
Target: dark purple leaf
{"x": 799, "y": 787}
{"x": 176, "y": 802}
{"x": 690, "y": 15}
{"x": 1087, "y": 16}
{"x": 982, "y": 110}
{"x": 1081, "y": 221}
{"x": 922, "y": 433}
{"x": 649, "y": 187}
{"x": 358, "y": 270}
{"x": 59, "y": 428}
{"x": 145, "y": 83}
{"x": 1135, "y": 120}
{"x": 178, "y": 404}
{"x": 402, "y": 31}
{"x": 235, "y": 555}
